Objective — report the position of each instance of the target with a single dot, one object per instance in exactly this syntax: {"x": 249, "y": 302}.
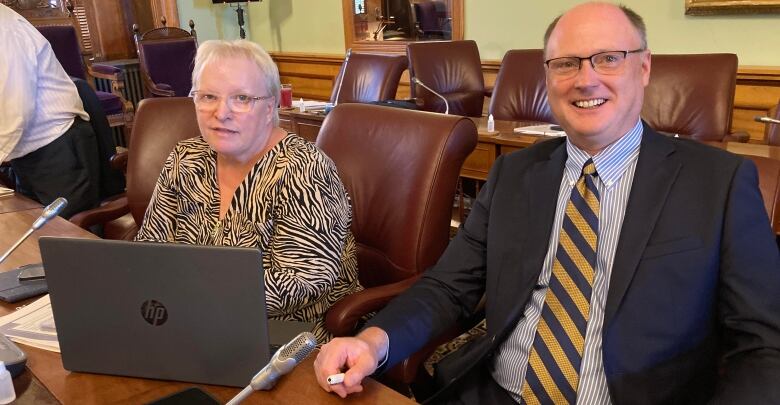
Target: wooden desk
{"x": 16, "y": 202}
{"x": 505, "y": 140}
{"x": 305, "y": 124}
{"x": 749, "y": 149}
{"x": 492, "y": 144}
{"x": 476, "y": 166}
{"x": 46, "y": 382}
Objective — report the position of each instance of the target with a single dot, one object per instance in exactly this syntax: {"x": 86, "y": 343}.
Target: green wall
{"x": 315, "y": 26}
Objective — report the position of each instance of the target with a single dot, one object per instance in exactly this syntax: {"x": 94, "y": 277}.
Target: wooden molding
{"x": 713, "y": 7}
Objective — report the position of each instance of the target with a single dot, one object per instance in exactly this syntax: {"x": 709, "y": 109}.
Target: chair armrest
{"x": 740, "y": 136}
{"x": 100, "y": 215}
{"x": 342, "y": 318}
{"x": 161, "y": 89}
{"x": 105, "y": 71}
{"x": 119, "y": 161}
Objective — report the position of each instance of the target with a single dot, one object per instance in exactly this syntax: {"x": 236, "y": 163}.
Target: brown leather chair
{"x": 159, "y": 124}
{"x": 772, "y": 131}
{"x": 369, "y": 77}
{"x": 520, "y": 91}
{"x": 451, "y": 68}
{"x": 769, "y": 183}
{"x": 693, "y": 96}
{"x": 400, "y": 168}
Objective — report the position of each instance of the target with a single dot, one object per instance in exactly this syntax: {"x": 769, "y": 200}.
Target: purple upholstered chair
{"x": 65, "y": 43}
{"x": 166, "y": 56}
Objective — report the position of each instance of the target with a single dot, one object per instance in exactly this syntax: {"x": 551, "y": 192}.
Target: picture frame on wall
{"x": 718, "y": 7}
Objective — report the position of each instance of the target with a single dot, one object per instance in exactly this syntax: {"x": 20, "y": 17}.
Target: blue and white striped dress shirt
{"x": 615, "y": 166}
{"x": 38, "y": 101}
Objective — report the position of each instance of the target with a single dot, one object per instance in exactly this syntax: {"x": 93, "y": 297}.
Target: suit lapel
{"x": 655, "y": 173}
{"x": 521, "y": 263}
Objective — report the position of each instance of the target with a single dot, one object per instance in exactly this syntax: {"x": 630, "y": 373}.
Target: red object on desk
{"x": 286, "y": 99}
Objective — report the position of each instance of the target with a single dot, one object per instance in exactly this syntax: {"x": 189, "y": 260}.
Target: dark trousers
{"x": 67, "y": 167}
{"x": 476, "y": 387}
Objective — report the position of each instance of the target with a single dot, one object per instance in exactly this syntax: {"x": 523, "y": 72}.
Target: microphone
{"x": 281, "y": 363}
{"x": 343, "y": 74}
{"x": 446, "y": 104}
{"x": 767, "y": 120}
{"x": 49, "y": 212}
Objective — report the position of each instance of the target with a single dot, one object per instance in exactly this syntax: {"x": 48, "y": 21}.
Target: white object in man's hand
{"x": 357, "y": 357}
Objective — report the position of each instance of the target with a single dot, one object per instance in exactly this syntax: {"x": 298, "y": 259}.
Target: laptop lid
{"x": 158, "y": 310}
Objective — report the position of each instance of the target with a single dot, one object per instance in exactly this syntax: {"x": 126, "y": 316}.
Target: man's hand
{"x": 357, "y": 357}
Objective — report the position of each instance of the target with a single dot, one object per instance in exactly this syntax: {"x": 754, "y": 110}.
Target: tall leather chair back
{"x": 160, "y": 123}
{"x": 769, "y": 184}
{"x": 451, "y": 68}
{"x": 366, "y": 78}
{"x": 520, "y": 91}
{"x": 691, "y": 95}
{"x": 400, "y": 168}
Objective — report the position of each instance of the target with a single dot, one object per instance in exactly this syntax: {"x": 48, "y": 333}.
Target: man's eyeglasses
{"x": 238, "y": 103}
{"x": 608, "y": 63}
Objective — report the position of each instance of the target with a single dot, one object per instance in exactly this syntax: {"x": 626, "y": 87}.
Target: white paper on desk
{"x": 31, "y": 325}
{"x": 546, "y": 129}
{"x": 310, "y": 104}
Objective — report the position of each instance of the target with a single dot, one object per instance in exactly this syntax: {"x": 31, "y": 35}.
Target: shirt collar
{"x": 611, "y": 162}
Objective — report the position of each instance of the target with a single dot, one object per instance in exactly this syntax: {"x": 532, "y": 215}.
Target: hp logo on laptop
{"x": 154, "y": 312}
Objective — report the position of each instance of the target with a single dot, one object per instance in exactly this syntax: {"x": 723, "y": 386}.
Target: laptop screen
{"x": 159, "y": 310}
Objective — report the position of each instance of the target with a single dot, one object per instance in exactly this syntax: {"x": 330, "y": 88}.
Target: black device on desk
{"x": 161, "y": 310}
{"x": 405, "y": 104}
{"x": 189, "y": 396}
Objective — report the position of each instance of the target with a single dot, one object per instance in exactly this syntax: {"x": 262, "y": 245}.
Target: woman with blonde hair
{"x": 246, "y": 182}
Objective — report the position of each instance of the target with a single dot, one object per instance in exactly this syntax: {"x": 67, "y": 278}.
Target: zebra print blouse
{"x": 292, "y": 205}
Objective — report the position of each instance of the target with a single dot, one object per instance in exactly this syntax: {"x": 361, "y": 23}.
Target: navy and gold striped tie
{"x": 554, "y": 363}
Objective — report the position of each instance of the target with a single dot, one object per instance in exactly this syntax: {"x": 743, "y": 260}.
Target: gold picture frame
{"x": 713, "y": 7}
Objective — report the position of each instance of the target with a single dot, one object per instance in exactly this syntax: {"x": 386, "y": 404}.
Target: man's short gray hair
{"x": 634, "y": 18}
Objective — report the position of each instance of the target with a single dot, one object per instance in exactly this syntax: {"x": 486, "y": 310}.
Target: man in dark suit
{"x": 618, "y": 265}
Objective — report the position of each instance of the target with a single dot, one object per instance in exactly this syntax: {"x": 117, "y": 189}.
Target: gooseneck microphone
{"x": 48, "y": 213}
{"x": 343, "y": 74}
{"x": 437, "y": 94}
{"x": 767, "y": 120}
{"x": 283, "y": 361}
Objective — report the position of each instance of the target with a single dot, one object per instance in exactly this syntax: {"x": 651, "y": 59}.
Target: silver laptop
{"x": 159, "y": 310}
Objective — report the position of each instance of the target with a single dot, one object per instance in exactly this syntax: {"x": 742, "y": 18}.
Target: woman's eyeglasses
{"x": 238, "y": 103}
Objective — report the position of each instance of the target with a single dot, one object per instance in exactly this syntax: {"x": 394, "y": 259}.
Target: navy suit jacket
{"x": 693, "y": 307}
